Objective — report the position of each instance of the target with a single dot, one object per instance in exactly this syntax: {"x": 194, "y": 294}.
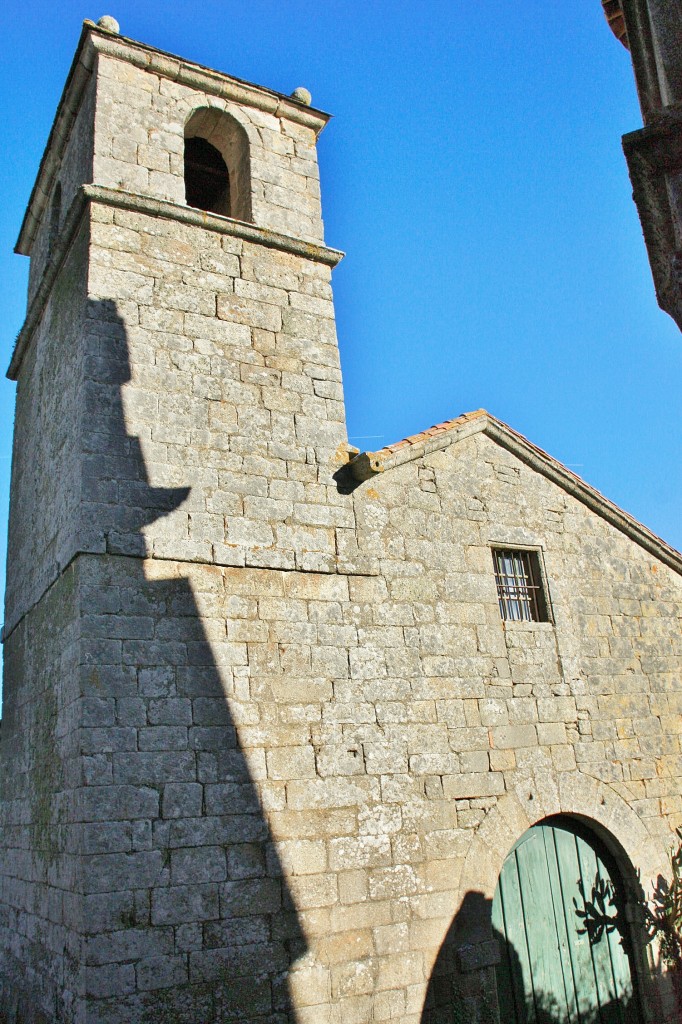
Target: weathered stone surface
{"x": 256, "y": 721}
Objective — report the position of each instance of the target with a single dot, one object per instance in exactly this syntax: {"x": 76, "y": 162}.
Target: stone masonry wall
{"x": 46, "y": 467}
{"x": 599, "y": 688}
{"x": 219, "y": 358}
{"x": 316, "y": 752}
{"x": 146, "y": 157}
{"x": 224, "y": 355}
{"x": 288, "y": 769}
{"x": 41, "y": 764}
{"x": 280, "y": 775}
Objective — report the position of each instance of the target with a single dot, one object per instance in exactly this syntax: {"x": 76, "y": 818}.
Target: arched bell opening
{"x": 207, "y": 180}
{"x": 217, "y": 164}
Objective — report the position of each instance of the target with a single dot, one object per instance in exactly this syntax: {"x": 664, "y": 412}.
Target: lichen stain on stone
{"x": 343, "y": 454}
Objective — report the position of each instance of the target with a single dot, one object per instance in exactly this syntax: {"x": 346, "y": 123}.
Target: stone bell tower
{"x": 179, "y": 421}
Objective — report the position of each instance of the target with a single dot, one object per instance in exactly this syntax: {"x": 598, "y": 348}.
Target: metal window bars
{"x": 519, "y": 589}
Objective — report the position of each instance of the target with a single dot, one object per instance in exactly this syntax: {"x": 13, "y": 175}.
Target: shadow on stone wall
{"x": 206, "y": 929}
{"x": 478, "y": 979}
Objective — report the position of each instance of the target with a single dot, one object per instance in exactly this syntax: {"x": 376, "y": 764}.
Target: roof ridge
{"x": 435, "y": 431}
{"x": 368, "y": 464}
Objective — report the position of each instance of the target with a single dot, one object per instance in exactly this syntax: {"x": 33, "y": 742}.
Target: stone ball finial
{"x": 109, "y": 24}
{"x": 302, "y": 95}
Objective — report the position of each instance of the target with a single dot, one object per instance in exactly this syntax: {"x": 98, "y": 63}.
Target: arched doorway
{"x": 558, "y": 912}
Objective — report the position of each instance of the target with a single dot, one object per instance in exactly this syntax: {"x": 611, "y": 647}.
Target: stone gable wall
{"x": 600, "y": 687}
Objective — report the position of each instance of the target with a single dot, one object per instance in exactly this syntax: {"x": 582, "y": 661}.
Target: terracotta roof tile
{"x": 435, "y": 431}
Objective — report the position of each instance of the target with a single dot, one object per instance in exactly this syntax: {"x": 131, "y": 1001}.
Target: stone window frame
{"x": 534, "y": 597}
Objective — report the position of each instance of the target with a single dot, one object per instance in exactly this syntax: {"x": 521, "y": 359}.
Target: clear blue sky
{"x": 474, "y": 176}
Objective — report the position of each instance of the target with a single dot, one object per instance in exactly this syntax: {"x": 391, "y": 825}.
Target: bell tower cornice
{"x": 96, "y": 40}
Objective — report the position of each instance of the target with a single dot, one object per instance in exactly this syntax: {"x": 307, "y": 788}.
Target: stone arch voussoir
{"x": 536, "y": 796}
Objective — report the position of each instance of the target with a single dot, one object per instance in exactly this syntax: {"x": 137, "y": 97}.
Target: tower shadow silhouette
{"x": 200, "y": 923}
{"x": 478, "y": 978}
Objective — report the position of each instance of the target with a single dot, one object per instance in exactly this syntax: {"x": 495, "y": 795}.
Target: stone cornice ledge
{"x": 369, "y": 464}
{"x": 121, "y": 200}
{"x": 214, "y": 83}
{"x": 212, "y": 221}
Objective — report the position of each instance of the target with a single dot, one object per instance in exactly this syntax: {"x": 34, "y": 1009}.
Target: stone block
{"x": 472, "y": 786}
{"x": 514, "y": 736}
{"x": 119, "y": 871}
{"x": 291, "y": 763}
{"x": 198, "y": 865}
{"x": 551, "y": 733}
{"x": 118, "y": 802}
{"x": 128, "y": 944}
{"x": 185, "y": 904}
{"x": 245, "y": 897}
{"x": 361, "y": 852}
{"x": 111, "y": 980}
{"x": 302, "y": 856}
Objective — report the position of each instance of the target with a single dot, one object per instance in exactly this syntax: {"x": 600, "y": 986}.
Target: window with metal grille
{"x": 519, "y": 586}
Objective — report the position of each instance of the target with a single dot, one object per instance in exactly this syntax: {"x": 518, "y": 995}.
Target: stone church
{"x": 295, "y": 734}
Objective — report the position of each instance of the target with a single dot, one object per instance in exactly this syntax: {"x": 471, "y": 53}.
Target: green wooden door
{"x": 558, "y": 916}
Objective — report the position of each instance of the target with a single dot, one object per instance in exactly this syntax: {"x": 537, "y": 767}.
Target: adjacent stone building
{"x": 652, "y": 31}
{"x": 276, "y": 712}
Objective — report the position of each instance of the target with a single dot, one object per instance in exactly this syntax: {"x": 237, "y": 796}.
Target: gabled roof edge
{"x": 369, "y": 464}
